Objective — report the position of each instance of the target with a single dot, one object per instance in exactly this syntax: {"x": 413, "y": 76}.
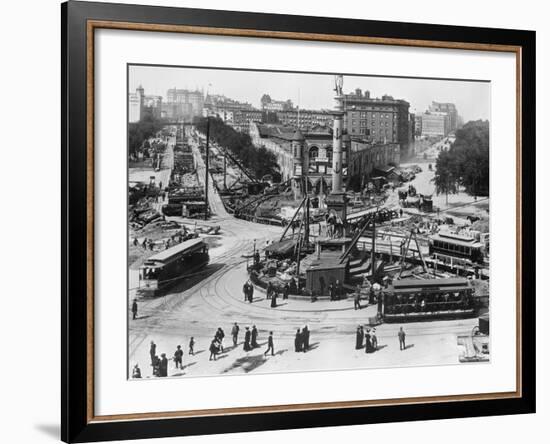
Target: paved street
{"x": 201, "y": 304}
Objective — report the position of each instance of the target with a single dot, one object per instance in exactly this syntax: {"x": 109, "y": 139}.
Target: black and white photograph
{"x": 301, "y": 221}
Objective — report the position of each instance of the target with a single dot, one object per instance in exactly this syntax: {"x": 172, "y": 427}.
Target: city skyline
{"x": 313, "y": 91}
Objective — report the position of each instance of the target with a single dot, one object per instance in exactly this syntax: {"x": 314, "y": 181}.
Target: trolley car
{"x": 166, "y": 268}
{"x": 424, "y": 299}
{"x": 454, "y": 245}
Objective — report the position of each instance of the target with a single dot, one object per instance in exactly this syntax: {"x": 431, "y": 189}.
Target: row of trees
{"x": 257, "y": 160}
{"x": 466, "y": 163}
{"x": 139, "y": 132}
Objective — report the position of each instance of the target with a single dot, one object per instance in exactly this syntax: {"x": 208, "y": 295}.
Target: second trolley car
{"x": 161, "y": 271}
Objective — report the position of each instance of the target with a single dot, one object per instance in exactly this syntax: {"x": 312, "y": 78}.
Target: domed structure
{"x": 298, "y": 136}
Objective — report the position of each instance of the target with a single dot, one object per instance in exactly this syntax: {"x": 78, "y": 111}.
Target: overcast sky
{"x": 314, "y": 91}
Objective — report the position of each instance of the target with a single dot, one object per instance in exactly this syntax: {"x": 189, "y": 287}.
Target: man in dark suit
{"x": 401, "y": 336}
{"x": 270, "y": 345}
{"x": 246, "y": 346}
{"x": 134, "y": 309}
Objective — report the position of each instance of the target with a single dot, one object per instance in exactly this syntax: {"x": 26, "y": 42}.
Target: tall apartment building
{"x": 270, "y": 105}
{"x": 435, "y": 124}
{"x": 183, "y": 103}
{"x": 450, "y": 110}
{"x": 305, "y": 118}
{"x": 380, "y": 120}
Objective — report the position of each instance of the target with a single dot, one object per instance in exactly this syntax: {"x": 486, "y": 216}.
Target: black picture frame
{"x": 76, "y": 423}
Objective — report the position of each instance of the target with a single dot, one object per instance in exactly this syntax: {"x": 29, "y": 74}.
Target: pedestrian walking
{"x": 213, "y": 349}
{"x": 359, "y": 338}
{"x": 156, "y": 365}
{"x": 246, "y": 291}
{"x": 250, "y": 292}
{"x": 178, "y": 357}
{"x": 268, "y": 290}
{"x": 332, "y": 291}
{"x": 246, "y": 346}
{"x": 298, "y": 341}
{"x": 274, "y": 298}
{"x": 286, "y": 291}
{"x": 163, "y": 367}
{"x": 254, "y": 337}
{"x": 357, "y": 299}
{"x": 219, "y": 336}
{"x": 368, "y": 342}
{"x": 153, "y": 352}
{"x": 305, "y": 339}
{"x": 134, "y": 309}
{"x": 235, "y": 334}
{"x": 374, "y": 339}
{"x": 192, "y": 346}
{"x": 401, "y": 335}
{"x": 270, "y": 345}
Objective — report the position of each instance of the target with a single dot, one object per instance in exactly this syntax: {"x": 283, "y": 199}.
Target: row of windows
{"x": 373, "y": 123}
{"x": 453, "y": 247}
{"x": 372, "y": 115}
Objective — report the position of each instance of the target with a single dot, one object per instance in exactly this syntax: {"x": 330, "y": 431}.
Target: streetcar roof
{"x": 417, "y": 285}
{"x": 185, "y": 246}
{"x": 467, "y": 242}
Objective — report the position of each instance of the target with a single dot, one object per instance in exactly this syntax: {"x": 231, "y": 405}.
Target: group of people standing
{"x": 271, "y": 292}
{"x": 160, "y": 364}
{"x": 216, "y": 345}
{"x": 251, "y": 339}
{"x": 301, "y": 340}
{"x": 367, "y": 338}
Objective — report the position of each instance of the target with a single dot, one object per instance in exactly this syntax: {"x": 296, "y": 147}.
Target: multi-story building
{"x": 381, "y": 120}
{"x": 450, "y": 110}
{"x": 435, "y": 124}
{"x": 305, "y": 118}
{"x": 270, "y": 105}
{"x": 183, "y": 104}
{"x": 139, "y": 104}
{"x": 367, "y": 157}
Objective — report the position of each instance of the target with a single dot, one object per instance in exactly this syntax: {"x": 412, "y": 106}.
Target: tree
{"x": 445, "y": 176}
{"x": 139, "y": 132}
{"x": 466, "y": 163}
{"x": 256, "y": 160}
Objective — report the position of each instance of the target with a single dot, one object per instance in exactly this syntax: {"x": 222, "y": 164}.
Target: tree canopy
{"x": 139, "y": 132}
{"x": 257, "y": 160}
{"x": 466, "y": 163}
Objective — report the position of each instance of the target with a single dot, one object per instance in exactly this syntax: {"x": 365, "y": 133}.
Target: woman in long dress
{"x": 368, "y": 343}
{"x": 359, "y": 338}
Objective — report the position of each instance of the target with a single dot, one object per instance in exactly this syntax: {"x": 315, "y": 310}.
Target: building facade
{"x": 378, "y": 120}
{"x": 367, "y": 157}
{"x": 304, "y": 156}
{"x": 184, "y": 103}
{"x": 450, "y": 110}
{"x": 270, "y": 105}
{"x": 139, "y": 104}
{"x": 304, "y": 118}
{"x": 435, "y": 124}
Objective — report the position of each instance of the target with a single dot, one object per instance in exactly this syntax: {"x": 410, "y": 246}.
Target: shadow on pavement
{"x": 247, "y": 363}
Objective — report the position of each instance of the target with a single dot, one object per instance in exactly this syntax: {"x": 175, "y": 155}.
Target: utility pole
{"x": 373, "y": 248}
{"x": 206, "y": 209}
{"x": 224, "y": 172}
